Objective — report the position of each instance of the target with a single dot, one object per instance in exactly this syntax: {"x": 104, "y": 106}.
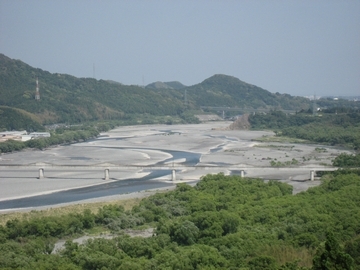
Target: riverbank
{"x": 128, "y": 201}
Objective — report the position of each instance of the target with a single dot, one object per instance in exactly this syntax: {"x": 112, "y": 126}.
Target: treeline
{"x": 224, "y": 222}
{"x": 348, "y": 163}
{"x": 346, "y": 160}
{"x": 329, "y": 128}
{"x": 62, "y": 136}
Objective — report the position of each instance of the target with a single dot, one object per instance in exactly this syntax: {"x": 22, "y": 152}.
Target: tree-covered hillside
{"x": 64, "y": 98}
{"x": 67, "y": 99}
{"x": 223, "y": 90}
{"x": 17, "y": 119}
{"x": 338, "y": 126}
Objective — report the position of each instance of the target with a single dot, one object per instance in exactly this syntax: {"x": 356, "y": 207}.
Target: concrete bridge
{"x": 107, "y": 167}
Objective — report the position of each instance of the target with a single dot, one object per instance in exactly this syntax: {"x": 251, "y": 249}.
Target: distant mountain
{"x": 228, "y": 91}
{"x": 65, "y": 98}
{"x": 165, "y": 85}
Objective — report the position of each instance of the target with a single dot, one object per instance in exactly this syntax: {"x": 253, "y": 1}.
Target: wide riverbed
{"x": 209, "y": 146}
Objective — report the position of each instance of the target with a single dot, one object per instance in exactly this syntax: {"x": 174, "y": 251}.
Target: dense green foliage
{"x": 330, "y": 128}
{"x": 224, "y": 222}
{"x": 332, "y": 256}
{"x": 346, "y": 160}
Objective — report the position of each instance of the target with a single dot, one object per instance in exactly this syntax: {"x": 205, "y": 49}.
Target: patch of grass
{"x": 284, "y": 254}
{"x": 284, "y": 164}
{"x": 320, "y": 150}
{"x": 279, "y": 139}
{"x": 274, "y": 146}
{"x": 233, "y": 150}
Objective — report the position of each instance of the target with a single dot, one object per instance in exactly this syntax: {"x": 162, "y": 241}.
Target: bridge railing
{"x": 173, "y": 168}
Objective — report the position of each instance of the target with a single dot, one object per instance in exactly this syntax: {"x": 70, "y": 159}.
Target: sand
{"x": 142, "y": 145}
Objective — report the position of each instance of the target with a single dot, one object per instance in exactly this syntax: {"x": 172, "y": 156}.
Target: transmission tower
{"x": 185, "y": 98}
{"x": 314, "y": 105}
{"x": 37, "y": 93}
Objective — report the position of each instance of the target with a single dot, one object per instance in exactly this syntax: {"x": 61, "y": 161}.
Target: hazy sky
{"x": 297, "y": 47}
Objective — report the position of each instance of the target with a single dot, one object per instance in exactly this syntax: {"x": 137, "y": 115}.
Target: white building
{"x": 40, "y": 134}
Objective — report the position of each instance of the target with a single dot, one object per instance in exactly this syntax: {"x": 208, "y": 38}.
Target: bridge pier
{"x": 312, "y": 175}
{"x": 41, "y": 173}
{"x": 173, "y": 175}
{"x": 242, "y": 173}
{"x": 107, "y": 174}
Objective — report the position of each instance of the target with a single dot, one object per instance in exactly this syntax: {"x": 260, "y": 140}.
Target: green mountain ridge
{"x": 226, "y": 90}
{"x": 67, "y": 99}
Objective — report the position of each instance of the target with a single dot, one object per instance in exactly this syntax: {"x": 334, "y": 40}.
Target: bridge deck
{"x": 157, "y": 167}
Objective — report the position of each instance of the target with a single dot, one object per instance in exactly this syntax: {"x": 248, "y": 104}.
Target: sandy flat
{"x": 147, "y": 145}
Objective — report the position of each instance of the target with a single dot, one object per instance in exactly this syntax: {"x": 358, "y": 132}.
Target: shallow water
{"x": 78, "y": 194}
{"x": 106, "y": 189}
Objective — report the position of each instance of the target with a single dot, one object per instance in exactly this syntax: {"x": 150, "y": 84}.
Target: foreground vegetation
{"x": 224, "y": 222}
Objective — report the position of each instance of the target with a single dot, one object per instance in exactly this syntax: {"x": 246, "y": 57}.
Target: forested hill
{"x": 223, "y": 90}
{"x": 64, "y": 98}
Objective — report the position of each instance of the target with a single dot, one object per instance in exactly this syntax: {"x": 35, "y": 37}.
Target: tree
{"x": 262, "y": 262}
{"x": 332, "y": 256}
{"x": 184, "y": 233}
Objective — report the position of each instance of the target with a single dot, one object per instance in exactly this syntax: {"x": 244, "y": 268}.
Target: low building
{"x": 22, "y": 135}
{"x": 40, "y": 134}
{"x": 12, "y": 135}
{"x": 25, "y": 138}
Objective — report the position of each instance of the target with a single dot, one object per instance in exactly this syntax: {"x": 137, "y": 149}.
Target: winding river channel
{"x": 210, "y": 147}
{"x": 109, "y": 188}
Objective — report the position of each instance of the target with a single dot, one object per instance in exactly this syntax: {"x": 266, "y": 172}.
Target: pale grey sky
{"x": 297, "y": 47}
